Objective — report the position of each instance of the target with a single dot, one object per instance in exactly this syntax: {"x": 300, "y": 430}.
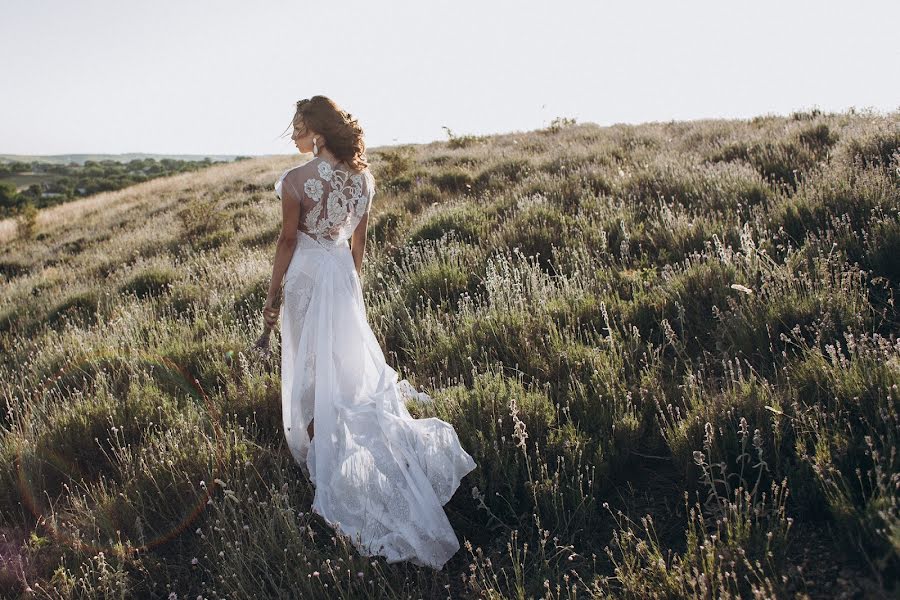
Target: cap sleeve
{"x": 279, "y": 185}
{"x": 285, "y": 184}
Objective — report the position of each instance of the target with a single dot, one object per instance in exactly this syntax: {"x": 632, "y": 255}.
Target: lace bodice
{"x": 332, "y": 200}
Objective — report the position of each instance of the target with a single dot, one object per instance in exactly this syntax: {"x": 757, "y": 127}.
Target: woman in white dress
{"x": 381, "y": 477}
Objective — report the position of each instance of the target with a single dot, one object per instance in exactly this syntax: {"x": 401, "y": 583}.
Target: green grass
{"x": 670, "y": 348}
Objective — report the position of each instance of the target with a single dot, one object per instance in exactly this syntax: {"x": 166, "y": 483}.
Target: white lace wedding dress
{"x": 381, "y": 477}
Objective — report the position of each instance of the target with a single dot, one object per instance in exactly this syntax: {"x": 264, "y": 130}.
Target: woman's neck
{"x": 330, "y": 158}
{"x": 327, "y": 155}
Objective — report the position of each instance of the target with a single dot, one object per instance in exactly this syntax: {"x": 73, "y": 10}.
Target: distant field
{"x": 23, "y": 180}
{"x": 82, "y": 158}
{"x": 671, "y": 348}
{"x": 43, "y": 184}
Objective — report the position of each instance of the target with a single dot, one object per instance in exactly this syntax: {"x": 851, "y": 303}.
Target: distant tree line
{"x": 60, "y": 183}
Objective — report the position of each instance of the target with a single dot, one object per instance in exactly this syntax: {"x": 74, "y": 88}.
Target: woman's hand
{"x": 271, "y": 311}
{"x": 270, "y": 315}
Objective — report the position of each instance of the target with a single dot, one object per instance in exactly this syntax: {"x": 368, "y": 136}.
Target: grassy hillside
{"x": 671, "y": 349}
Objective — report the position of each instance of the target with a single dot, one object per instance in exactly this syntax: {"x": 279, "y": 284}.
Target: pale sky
{"x": 223, "y": 77}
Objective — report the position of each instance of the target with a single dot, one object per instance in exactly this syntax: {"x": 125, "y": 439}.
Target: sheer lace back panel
{"x": 332, "y": 199}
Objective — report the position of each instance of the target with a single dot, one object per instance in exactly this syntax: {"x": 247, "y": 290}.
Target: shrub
{"x": 13, "y": 267}
{"x": 782, "y": 162}
{"x": 81, "y": 308}
{"x": 835, "y": 194}
{"x": 819, "y": 302}
{"x": 847, "y": 407}
{"x": 722, "y": 420}
{"x": 393, "y": 163}
{"x": 687, "y": 301}
{"x": 462, "y": 141}
{"x": 535, "y": 230}
{"x": 882, "y": 249}
{"x": 727, "y": 189}
{"x": 388, "y": 225}
{"x": 249, "y": 300}
{"x": 487, "y": 429}
{"x": 185, "y": 297}
{"x": 818, "y": 138}
{"x": 423, "y": 195}
{"x": 503, "y": 173}
{"x": 26, "y": 221}
{"x": 74, "y": 444}
{"x": 205, "y": 227}
{"x": 560, "y": 123}
{"x": 453, "y": 180}
{"x": 877, "y": 146}
{"x": 437, "y": 284}
{"x": 732, "y": 556}
{"x": 150, "y": 282}
{"x": 467, "y": 221}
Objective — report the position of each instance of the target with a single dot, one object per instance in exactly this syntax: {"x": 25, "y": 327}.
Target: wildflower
{"x": 519, "y": 426}
{"x": 315, "y": 573}
{"x": 194, "y": 561}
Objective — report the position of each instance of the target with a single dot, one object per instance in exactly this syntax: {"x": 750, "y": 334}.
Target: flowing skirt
{"x": 381, "y": 477}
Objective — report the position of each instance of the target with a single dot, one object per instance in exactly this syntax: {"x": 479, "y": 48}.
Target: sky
{"x": 223, "y": 76}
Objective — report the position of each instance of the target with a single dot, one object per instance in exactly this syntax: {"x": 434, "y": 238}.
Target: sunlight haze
{"x": 98, "y": 76}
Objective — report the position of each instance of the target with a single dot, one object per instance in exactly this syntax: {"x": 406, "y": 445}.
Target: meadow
{"x": 671, "y": 348}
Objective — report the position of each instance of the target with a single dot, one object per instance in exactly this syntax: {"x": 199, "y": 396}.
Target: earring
{"x": 315, "y": 148}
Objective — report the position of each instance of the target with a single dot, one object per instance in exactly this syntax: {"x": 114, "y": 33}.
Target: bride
{"x": 381, "y": 477}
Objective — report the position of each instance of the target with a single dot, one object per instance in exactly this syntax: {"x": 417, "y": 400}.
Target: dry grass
{"x": 671, "y": 348}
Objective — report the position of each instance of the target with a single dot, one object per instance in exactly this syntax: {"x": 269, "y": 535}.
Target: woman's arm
{"x": 358, "y": 242}
{"x": 287, "y": 241}
{"x": 284, "y": 251}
